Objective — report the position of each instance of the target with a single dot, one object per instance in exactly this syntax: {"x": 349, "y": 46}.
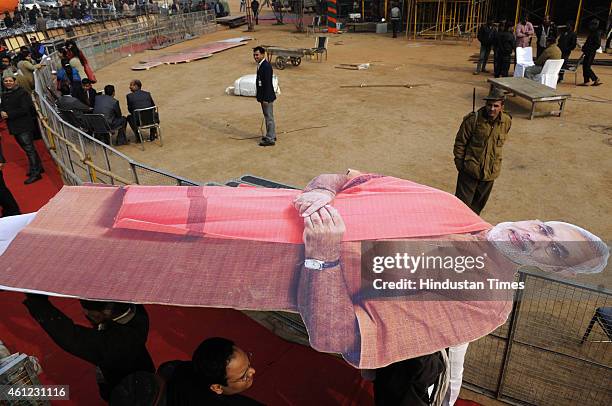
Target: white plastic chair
{"x": 550, "y": 73}
{"x": 524, "y": 59}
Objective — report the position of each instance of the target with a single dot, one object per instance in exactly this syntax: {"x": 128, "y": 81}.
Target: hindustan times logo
{"x": 412, "y": 263}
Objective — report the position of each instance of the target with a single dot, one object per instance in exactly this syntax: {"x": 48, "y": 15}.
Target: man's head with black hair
{"x": 65, "y": 89}
{"x": 222, "y": 367}
{"x": 109, "y": 90}
{"x": 135, "y": 85}
{"x": 99, "y": 312}
{"x": 259, "y": 53}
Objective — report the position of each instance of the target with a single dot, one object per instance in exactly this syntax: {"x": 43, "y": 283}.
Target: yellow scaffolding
{"x": 438, "y": 19}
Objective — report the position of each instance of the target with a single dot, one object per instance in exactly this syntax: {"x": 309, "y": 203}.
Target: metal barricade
{"x": 106, "y": 47}
{"x": 538, "y": 357}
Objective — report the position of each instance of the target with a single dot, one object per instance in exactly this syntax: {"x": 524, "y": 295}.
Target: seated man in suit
{"x": 86, "y": 93}
{"x": 139, "y": 99}
{"x": 107, "y": 105}
{"x": 552, "y": 51}
{"x": 68, "y": 102}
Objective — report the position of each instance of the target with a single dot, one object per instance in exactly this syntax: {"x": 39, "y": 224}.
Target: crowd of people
{"x": 503, "y": 39}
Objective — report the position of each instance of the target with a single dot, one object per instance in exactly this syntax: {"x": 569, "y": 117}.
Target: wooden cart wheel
{"x": 296, "y": 61}
{"x": 280, "y": 62}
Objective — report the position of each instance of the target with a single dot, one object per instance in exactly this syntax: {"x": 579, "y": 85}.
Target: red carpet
{"x": 287, "y": 374}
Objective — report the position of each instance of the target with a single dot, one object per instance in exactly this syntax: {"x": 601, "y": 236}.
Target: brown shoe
{"x": 597, "y": 83}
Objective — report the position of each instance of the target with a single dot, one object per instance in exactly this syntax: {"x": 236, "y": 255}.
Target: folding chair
{"x": 71, "y": 118}
{"x": 573, "y": 68}
{"x": 315, "y": 26}
{"x": 98, "y": 126}
{"x": 320, "y": 47}
{"x": 146, "y": 119}
{"x": 524, "y": 59}
{"x": 603, "y": 316}
{"x": 550, "y": 73}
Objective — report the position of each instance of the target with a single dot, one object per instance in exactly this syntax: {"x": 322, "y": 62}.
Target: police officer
{"x": 478, "y": 150}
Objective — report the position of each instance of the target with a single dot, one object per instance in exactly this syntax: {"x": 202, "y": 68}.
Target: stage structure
{"x": 446, "y": 19}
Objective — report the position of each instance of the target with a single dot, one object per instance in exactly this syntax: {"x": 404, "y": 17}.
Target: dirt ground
{"x": 554, "y": 168}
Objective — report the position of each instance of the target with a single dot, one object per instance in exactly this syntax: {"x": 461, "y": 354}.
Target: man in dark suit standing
{"x": 265, "y": 94}
{"x": 139, "y": 99}
{"x": 108, "y": 106}
{"x": 86, "y": 93}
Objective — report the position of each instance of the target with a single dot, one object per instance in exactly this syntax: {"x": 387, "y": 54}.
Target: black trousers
{"x": 473, "y": 192}
{"x": 405, "y": 383}
{"x": 502, "y": 65}
{"x": 26, "y": 142}
{"x": 395, "y": 23}
{"x": 7, "y": 201}
{"x": 587, "y": 71}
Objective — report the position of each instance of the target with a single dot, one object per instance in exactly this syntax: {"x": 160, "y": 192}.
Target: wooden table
{"x": 532, "y": 91}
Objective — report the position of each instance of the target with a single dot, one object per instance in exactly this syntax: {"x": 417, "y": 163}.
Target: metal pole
{"x": 547, "y": 7}
{"x": 385, "y": 16}
{"x": 578, "y": 17}
{"x": 438, "y": 16}
{"x": 416, "y": 3}
{"x": 516, "y": 307}
{"x": 518, "y": 10}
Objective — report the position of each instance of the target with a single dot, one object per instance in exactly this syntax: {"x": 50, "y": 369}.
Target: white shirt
{"x": 11, "y": 226}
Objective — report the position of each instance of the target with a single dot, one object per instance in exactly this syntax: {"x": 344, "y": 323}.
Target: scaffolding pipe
{"x": 385, "y": 10}
{"x": 578, "y": 16}
{"x": 518, "y": 10}
{"x": 362, "y": 10}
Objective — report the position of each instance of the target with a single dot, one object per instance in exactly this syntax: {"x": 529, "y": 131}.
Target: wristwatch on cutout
{"x": 317, "y": 265}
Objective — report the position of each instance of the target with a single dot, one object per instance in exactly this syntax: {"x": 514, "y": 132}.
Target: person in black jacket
{"x": 85, "y": 93}
{"x": 216, "y": 375}
{"x": 8, "y": 204}
{"x": 255, "y": 9}
{"x": 589, "y": 49}
{"x": 504, "y": 45}
{"x": 543, "y": 32}
{"x": 567, "y": 43}
{"x": 486, "y": 36}
{"x": 139, "y": 99}
{"x": 108, "y": 106}
{"x": 115, "y": 344}
{"x": 16, "y": 108}
{"x": 265, "y": 94}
